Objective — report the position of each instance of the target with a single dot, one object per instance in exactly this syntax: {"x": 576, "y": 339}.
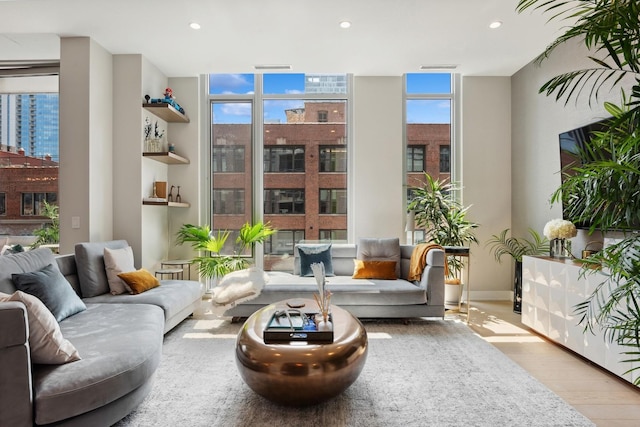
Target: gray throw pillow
{"x": 385, "y": 249}
{"x": 50, "y": 287}
{"x": 91, "y": 269}
{"x": 310, "y": 254}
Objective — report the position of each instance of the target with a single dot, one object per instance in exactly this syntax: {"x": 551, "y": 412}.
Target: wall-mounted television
{"x": 571, "y": 143}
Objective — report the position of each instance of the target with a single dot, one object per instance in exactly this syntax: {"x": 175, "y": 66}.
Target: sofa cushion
{"x": 46, "y": 343}
{"x": 386, "y": 249}
{"x": 121, "y": 347}
{"x": 50, "y": 287}
{"x": 315, "y": 253}
{"x": 374, "y": 269}
{"x": 23, "y": 262}
{"x": 139, "y": 281}
{"x": 91, "y": 270}
{"x": 173, "y": 296}
{"x": 118, "y": 261}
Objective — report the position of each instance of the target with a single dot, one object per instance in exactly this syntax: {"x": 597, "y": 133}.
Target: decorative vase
{"x": 560, "y": 248}
{"x": 325, "y": 325}
{"x": 517, "y": 288}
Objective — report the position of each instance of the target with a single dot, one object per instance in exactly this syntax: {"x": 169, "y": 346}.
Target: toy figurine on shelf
{"x": 168, "y": 99}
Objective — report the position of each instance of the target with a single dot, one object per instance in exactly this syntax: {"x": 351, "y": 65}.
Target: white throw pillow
{"x": 117, "y": 261}
{"x": 241, "y": 285}
{"x": 46, "y": 342}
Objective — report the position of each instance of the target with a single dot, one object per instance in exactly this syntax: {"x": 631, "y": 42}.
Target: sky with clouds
{"x": 418, "y": 111}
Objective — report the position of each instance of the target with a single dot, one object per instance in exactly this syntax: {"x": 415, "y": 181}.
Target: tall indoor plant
{"x": 214, "y": 263}
{"x": 604, "y": 189}
{"x": 443, "y": 218}
{"x": 517, "y": 247}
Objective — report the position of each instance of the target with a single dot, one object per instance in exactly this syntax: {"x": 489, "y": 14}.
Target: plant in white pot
{"x": 444, "y": 220}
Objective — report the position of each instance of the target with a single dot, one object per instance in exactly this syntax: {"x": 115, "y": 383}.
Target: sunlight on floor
{"x": 378, "y": 336}
{"x": 208, "y": 324}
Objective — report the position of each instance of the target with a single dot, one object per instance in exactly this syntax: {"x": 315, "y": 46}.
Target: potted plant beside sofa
{"x": 444, "y": 220}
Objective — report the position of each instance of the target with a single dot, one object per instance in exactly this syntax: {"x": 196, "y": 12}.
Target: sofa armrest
{"x": 16, "y": 394}
{"x": 432, "y": 280}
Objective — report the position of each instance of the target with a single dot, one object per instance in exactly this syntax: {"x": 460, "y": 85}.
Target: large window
{"x": 29, "y": 122}
{"x": 334, "y": 235}
{"x": 428, "y": 112}
{"x": 298, "y": 136}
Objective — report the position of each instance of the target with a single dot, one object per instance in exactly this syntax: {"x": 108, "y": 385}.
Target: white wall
{"x": 377, "y": 191}
{"x": 486, "y": 176}
{"x": 537, "y": 120}
{"x": 86, "y": 139}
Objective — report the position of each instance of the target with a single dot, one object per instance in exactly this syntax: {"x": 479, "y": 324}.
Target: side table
{"x": 175, "y": 263}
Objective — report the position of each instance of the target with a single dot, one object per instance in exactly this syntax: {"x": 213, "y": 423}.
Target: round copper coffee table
{"x": 301, "y": 373}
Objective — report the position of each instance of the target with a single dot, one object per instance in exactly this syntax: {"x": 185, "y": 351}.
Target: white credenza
{"x": 551, "y": 288}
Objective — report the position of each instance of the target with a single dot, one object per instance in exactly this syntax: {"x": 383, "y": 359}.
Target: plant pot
{"x": 452, "y": 293}
{"x": 517, "y": 288}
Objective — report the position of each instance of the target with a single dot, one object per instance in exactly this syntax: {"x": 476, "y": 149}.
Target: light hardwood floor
{"x": 605, "y": 399}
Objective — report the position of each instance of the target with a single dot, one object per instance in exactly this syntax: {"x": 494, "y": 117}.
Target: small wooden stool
{"x": 176, "y": 273}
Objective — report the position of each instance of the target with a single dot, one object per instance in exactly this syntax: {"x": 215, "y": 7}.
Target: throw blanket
{"x": 419, "y": 261}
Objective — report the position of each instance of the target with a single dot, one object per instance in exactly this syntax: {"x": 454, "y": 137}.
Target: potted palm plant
{"x": 445, "y": 223}
{"x": 604, "y": 189}
{"x": 501, "y": 245}
{"x": 215, "y": 264}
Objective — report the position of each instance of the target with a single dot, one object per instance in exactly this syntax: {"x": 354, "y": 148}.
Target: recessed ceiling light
{"x": 495, "y": 24}
{"x": 194, "y": 25}
{"x": 345, "y": 24}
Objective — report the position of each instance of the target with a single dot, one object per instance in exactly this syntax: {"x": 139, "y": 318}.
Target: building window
{"x": 333, "y": 159}
{"x": 445, "y": 159}
{"x": 333, "y": 235}
{"x": 33, "y": 203}
{"x": 284, "y": 159}
{"x": 415, "y": 158}
{"x": 283, "y": 201}
{"x": 228, "y": 159}
{"x": 323, "y": 116}
{"x": 333, "y": 201}
{"x": 3, "y": 203}
{"x": 228, "y": 202}
{"x": 283, "y": 241}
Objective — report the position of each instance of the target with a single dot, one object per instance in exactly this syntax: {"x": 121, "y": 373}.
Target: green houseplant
{"x": 48, "y": 234}
{"x": 443, "y": 219}
{"x": 517, "y": 247}
{"x": 214, "y": 263}
{"x": 604, "y": 189}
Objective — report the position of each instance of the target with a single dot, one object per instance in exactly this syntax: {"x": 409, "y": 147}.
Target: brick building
{"x": 25, "y": 183}
{"x": 305, "y": 172}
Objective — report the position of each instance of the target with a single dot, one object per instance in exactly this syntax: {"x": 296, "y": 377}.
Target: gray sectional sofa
{"x": 364, "y": 298}
{"x": 119, "y": 339}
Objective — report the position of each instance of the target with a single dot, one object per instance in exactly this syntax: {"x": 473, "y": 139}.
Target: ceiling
{"x": 387, "y": 37}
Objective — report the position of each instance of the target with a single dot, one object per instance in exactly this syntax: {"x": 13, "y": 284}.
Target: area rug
{"x": 425, "y": 373}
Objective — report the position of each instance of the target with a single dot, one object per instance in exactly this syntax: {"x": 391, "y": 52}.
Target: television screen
{"x": 571, "y": 142}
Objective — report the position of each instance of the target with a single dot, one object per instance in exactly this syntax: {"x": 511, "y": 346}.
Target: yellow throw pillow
{"x": 374, "y": 270}
{"x": 139, "y": 281}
